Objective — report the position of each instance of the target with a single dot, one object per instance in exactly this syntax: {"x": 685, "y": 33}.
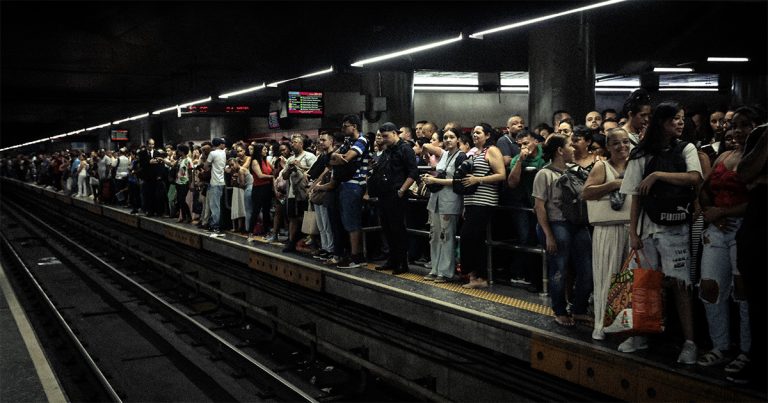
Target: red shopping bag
{"x": 634, "y": 300}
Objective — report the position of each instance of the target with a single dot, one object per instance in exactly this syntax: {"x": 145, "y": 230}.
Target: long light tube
{"x": 700, "y": 89}
{"x": 245, "y": 91}
{"x": 409, "y": 51}
{"x": 672, "y": 70}
{"x": 727, "y": 59}
{"x": 199, "y": 101}
{"x": 98, "y": 127}
{"x": 444, "y": 88}
{"x": 168, "y": 109}
{"x": 479, "y": 35}
{"x": 317, "y": 73}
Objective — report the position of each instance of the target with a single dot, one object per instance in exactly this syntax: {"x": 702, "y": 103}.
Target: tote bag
{"x": 634, "y": 300}
{"x": 600, "y": 211}
{"x": 309, "y": 222}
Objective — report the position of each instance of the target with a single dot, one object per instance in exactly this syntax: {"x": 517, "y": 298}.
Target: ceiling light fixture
{"x": 75, "y": 132}
{"x": 137, "y": 117}
{"x": 479, "y": 35}
{"x": 701, "y": 89}
{"x": 615, "y": 89}
{"x": 727, "y": 59}
{"x": 672, "y": 70}
{"x": 199, "y": 101}
{"x": 467, "y": 88}
{"x": 317, "y": 73}
{"x": 168, "y": 109}
{"x": 60, "y": 136}
{"x": 238, "y": 92}
{"x": 409, "y": 51}
{"x": 97, "y": 127}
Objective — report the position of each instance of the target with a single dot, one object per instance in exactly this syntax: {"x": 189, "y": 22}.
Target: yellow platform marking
{"x": 478, "y": 293}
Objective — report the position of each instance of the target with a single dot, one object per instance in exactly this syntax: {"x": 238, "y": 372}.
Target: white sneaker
{"x": 632, "y": 344}
{"x": 689, "y": 353}
{"x": 598, "y": 334}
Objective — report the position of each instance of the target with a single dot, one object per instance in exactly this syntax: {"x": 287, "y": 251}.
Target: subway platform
{"x": 511, "y": 322}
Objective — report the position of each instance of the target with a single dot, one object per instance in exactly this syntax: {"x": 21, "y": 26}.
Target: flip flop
{"x": 567, "y": 322}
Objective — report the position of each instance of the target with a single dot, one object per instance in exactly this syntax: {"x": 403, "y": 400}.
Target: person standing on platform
{"x": 610, "y": 241}
{"x": 398, "y": 164}
{"x": 663, "y": 246}
{"x": 351, "y": 162}
{"x": 295, "y": 173}
{"x": 182, "y": 183}
{"x": 487, "y": 172}
{"x": 217, "y": 160}
{"x": 637, "y": 110}
{"x": 445, "y": 208}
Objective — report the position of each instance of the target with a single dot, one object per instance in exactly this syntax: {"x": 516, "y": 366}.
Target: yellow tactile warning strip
{"x": 478, "y": 293}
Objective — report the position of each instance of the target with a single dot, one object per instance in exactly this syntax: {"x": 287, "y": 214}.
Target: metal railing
{"x": 490, "y": 243}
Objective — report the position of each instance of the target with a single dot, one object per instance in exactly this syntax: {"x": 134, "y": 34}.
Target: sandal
{"x": 564, "y": 320}
{"x": 738, "y": 364}
{"x": 710, "y": 358}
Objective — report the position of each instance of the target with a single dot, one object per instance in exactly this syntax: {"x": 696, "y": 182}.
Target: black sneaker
{"x": 352, "y": 263}
{"x": 290, "y": 247}
{"x": 742, "y": 377}
{"x": 321, "y": 254}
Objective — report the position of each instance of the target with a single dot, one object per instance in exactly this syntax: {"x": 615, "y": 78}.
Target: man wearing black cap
{"x": 398, "y": 164}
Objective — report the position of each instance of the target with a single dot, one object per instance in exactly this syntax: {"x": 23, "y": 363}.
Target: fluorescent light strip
{"x": 60, "y": 136}
{"x": 699, "y": 84}
{"x": 168, "y": 109}
{"x": 199, "y": 101}
{"x": 614, "y": 89}
{"x": 75, "y": 132}
{"x": 727, "y": 59}
{"x": 98, "y": 127}
{"x": 479, "y": 35}
{"x": 443, "y": 88}
{"x": 117, "y": 122}
{"x": 317, "y": 73}
{"x": 363, "y": 62}
{"x": 515, "y": 88}
{"x": 705, "y": 89}
{"x": 672, "y": 70}
{"x": 137, "y": 117}
{"x": 247, "y": 90}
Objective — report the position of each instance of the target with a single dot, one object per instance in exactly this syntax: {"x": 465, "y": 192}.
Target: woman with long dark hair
{"x": 487, "y": 172}
{"x": 261, "y": 193}
{"x": 664, "y": 245}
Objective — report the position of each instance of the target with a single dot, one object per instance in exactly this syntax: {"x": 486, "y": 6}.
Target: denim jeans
{"x": 214, "y": 201}
{"x": 247, "y": 197}
{"x": 574, "y": 247}
{"x": 351, "y": 206}
{"x": 718, "y": 264}
{"x": 323, "y": 219}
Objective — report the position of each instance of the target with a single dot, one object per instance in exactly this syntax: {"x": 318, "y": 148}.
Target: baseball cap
{"x": 389, "y": 127}
{"x": 217, "y": 141}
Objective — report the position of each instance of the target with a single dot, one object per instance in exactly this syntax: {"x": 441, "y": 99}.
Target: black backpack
{"x": 571, "y": 183}
{"x": 667, "y": 204}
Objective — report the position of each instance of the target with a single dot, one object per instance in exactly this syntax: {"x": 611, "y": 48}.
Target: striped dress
{"x": 487, "y": 194}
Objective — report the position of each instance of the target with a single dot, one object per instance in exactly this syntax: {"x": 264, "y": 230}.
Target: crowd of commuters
{"x": 713, "y": 247}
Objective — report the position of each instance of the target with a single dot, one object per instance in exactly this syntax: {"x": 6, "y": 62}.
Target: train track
{"x": 225, "y": 289}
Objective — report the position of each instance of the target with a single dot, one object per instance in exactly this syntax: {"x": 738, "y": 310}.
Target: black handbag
{"x": 461, "y": 172}
{"x": 434, "y": 187}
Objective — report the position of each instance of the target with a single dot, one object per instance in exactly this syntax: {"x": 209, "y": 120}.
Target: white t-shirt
{"x": 123, "y": 165}
{"x": 218, "y": 159}
{"x": 306, "y": 160}
{"x": 634, "y": 175}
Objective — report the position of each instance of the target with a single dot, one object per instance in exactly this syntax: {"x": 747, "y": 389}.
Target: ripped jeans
{"x": 718, "y": 266}
{"x": 574, "y": 247}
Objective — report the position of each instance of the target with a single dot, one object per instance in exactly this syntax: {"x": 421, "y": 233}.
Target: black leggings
{"x": 474, "y": 256}
{"x": 262, "y": 201}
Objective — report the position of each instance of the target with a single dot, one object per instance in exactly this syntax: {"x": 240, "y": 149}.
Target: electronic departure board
{"x": 119, "y": 135}
{"x": 216, "y": 109}
{"x": 305, "y": 103}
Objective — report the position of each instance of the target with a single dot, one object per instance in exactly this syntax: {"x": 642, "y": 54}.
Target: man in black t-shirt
{"x": 398, "y": 164}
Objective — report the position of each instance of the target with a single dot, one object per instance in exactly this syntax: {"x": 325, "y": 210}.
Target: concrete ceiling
{"x": 68, "y": 65}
